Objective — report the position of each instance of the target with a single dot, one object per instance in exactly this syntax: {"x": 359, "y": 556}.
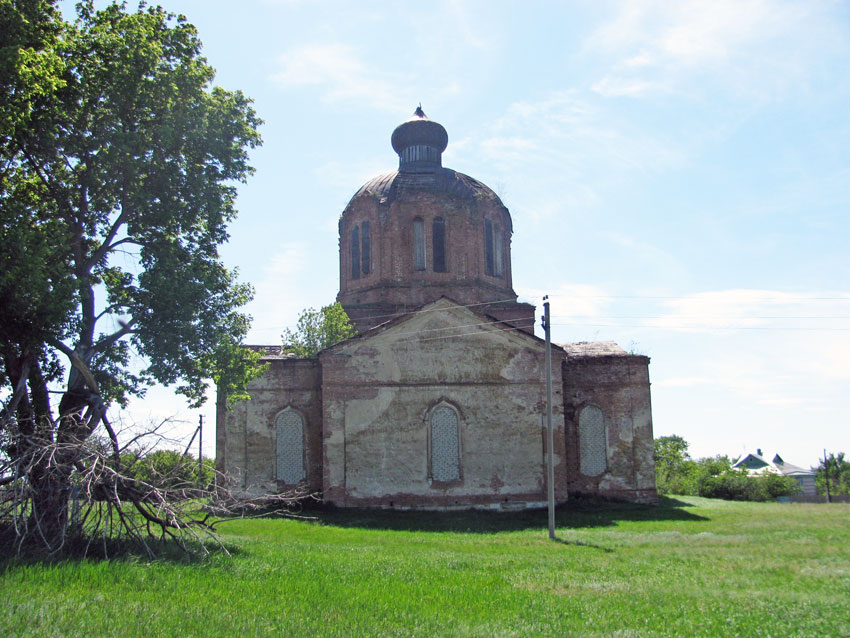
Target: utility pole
{"x": 826, "y": 476}
{"x": 200, "y": 449}
{"x": 550, "y": 436}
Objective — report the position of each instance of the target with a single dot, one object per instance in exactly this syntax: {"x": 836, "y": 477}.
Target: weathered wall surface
{"x": 392, "y": 284}
{"x": 379, "y": 393}
{"x": 618, "y": 384}
{"x": 245, "y": 444}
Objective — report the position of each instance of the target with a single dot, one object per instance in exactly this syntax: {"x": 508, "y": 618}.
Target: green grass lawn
{"x": 691, "y": 567}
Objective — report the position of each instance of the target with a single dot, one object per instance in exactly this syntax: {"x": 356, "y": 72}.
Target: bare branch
{"x": 20, "y": 390}
{"x": 106, "y": 246}
{"x": 104, "y": 342}
{"x": 77, "y": 362}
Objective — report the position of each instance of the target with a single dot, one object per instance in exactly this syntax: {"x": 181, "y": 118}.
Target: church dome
{"x": 395, "y": 185}
{"x": 421, "y": 232}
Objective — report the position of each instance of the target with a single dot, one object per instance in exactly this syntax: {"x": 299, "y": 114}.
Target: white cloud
{"x": 769, "y": 348}
{"x": 683, "y": 382}
{"x": 743, "y": 309}
{"x": 342, "y": 75}
{"x": 569, "y": 300}
{"x": 568, "y": 134}
{"x": 629, "y": 87}
{"x": 288, "y": 286}
{"x": 757, "y": 47}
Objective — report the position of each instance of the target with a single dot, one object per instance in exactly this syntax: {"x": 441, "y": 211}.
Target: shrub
{"x": 737, "y": 485}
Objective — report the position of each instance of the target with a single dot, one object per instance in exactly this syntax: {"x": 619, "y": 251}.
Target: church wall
{"x": 379, "y": 397}
{"x": 393, "y": 285}
{"x": 619, "y": 386}
{"x": 247, "y": 451}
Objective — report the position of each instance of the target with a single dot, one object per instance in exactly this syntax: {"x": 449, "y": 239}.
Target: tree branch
{"x": 20, "y": 389}
{"x": 77, "y": 362}
{"x": 106, "y": 246}
{"x": 105, "y": 342}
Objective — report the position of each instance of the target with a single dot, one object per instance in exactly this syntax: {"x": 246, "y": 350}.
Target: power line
{"x": 701, "y": 315}
{"x": 796, "y": 297}
{"x": 518, "y": 326}
{"x": 699, "y": 327}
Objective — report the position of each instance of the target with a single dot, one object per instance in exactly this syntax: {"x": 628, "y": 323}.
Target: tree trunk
{"x": 51, "y": 493}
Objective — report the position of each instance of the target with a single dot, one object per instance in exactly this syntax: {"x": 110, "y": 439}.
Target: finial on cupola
{"x": 420, "y": 143}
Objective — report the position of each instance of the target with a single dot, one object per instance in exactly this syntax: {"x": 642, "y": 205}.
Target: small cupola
{"x": 419, "y": 143}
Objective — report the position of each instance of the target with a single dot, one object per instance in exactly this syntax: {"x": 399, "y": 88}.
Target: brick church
{"x": 440, "y": 400}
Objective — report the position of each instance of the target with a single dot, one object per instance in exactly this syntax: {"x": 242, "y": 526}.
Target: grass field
{"x": 691, "y": 567}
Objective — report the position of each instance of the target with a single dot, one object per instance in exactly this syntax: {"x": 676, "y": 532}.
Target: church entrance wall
{"x": 390, "y": 405}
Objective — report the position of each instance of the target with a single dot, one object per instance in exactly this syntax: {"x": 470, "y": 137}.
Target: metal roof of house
{"x": 777, "y": 465}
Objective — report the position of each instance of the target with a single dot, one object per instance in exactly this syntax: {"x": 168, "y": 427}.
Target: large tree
{"x": 118, "y": 166}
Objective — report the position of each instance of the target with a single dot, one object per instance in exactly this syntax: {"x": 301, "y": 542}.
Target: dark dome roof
{"x": 392, "y": 186}
{"x": 419, "y": 131}
{"x": 420, "y": 143}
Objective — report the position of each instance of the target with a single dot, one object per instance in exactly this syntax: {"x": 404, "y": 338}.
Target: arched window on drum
{"x": 418, "y": 244}
{"x": 438, "y": 237}
{"x": 289, "y": 447}
{"x": 355, "y": 253}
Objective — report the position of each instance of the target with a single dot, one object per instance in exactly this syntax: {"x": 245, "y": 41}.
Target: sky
{"x": 678, "y": 174}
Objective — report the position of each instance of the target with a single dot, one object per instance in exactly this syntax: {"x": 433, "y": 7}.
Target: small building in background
{"x": 759, "y": 464}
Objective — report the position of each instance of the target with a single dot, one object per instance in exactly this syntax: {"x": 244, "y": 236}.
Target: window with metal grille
{"x": 438, "y": 237}
{"x": 355, "y": 253}
{"x": 289, "y": 447}
{"x": 593, "y": 455}
{"x": 366, "y": 245}
{"x": 445, "y": 444}
{"x": 418, "y": 244}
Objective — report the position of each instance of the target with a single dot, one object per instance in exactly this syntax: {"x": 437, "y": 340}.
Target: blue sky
{"x": 678, "y": 175}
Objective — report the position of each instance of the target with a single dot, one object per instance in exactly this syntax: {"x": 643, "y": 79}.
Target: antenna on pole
{"x": 550, "y": 436}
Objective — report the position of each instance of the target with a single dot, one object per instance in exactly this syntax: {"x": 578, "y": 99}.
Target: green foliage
{"x": 115, "y": 142}
{"x": 712, "y": 477}
{"x": 837, "y": 468}
{"x": 737, "y": 485}
{"x": 672, "y": 464}
{"x": 169, "y": 469}
{"x": 690, "y": 567}
{"x": 119, "y": 162}
{"x": 317, "y": 330}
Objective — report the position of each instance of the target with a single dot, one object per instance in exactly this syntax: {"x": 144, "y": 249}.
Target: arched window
{"x": 438, "y": 236}
{"x": 445, "y": 444}
{"x": 289, "y": 447}
{"x": 366, "y": 244}
{"x": 488, "y": 248}
{"x": 418, "y": 244}
{"x": 593, "y": 455}
{"x": 355, "y": 253}
{"x": 497, "y": 251}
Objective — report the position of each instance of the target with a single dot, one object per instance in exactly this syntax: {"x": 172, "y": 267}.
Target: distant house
{"x": 758, "y": 464}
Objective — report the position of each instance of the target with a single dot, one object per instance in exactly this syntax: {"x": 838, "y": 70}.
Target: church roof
{"x": 594, "y": 349}
{"x": 419, "y": 131}
{"x": 394, "y": 185}
{"x": 482, "y": 323}
{"x": 420, "y": 143}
